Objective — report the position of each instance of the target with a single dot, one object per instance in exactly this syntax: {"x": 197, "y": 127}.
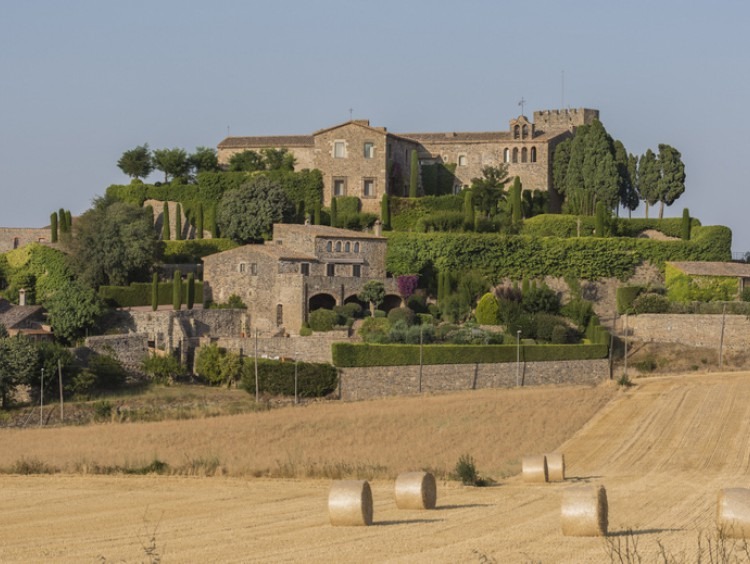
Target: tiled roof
{"x": 324, "y": 231}
{"x": 474, "y": 137}
{"x": 270, "y": 249}
{"x": 13, "y": 315}
{"x": 270, "y": 141}
{"x": 695, "y": 268}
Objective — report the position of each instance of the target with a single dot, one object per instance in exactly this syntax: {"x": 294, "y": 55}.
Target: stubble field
{"x": 662, "y": 449}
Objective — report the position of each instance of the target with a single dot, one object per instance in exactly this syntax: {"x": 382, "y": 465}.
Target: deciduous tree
{"x": 137, "y": 163}
{"x": 671, "y": 183}
{"x": 248, "y": 213}
{"x": 172, "y": 162}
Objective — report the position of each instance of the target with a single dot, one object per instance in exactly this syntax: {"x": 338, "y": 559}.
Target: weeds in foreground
{"x": 333, "y": 470}
{"x": 624, "y": 381}
{"x": 712, "y": 548}
{"x": 466, "y": 471}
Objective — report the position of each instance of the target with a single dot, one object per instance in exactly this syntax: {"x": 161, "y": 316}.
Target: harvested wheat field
{"x": 662, "y": 449}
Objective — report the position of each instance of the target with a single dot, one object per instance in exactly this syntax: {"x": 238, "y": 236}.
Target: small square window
{"x": 254, "y": 269}
{"x": 339, "y": 187}
{"x": 462, "y": 160}
{"x": 330, "y": 270}
{"x": 369, "y": 150}
{"x": 356, "y": 270}
{"x": 339, "y": 149}
{"x": 305, "y": 268}
{"x": 368, "y": 188}
{"x": 242, "y": 267}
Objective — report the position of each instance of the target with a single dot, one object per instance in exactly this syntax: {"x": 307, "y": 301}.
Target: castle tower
{"x": 564, "y": 120}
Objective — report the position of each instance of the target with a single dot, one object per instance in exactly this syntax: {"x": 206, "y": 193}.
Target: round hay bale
{"x": 555, "y": 467}
{"x": 733, "y": 513}
{"x": 416, "y": 490}
{"x": 584, "y": 511}
{"x": 350, "y": 503}
{"x": 534, "y": 469}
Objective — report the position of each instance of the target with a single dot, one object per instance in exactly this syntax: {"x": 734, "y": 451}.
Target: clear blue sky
{"x": 83, "y": 81}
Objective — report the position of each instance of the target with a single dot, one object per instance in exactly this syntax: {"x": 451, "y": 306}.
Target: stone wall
{"x": 15, "y": 238}
{"x": 382, "y": 381}
{"x": 691, "y": 330}
{"x": 129, "y": 349}
{"x": 314, "y": 348}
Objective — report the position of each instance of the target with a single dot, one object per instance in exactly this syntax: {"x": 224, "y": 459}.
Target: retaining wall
{"x": 688, "y": 329}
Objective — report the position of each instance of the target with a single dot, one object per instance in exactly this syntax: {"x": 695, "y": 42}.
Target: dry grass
{"x": 364, "y": 440}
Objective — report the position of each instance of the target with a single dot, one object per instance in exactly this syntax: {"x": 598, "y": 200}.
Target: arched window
{"x": 525, "y": 132}
{"x": 329, "y": 246}
{"x": 347, "y": 247}
{"x": 338, "y": 246}
{"x": 533, "y": 154}
{"x": 515, "y": 155}
{"x": 506, "y": 155}
{"x": 516, "y": 132}
{"x": 524, "y": 155}
{"x": 356, "y": 247}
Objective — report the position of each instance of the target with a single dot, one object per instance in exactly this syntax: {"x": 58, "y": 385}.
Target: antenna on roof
{"x": 521, "y": 103}
{"x": 227, "y": 131}
{"x": 562, "y": 89}
{"x": 350, "y": 113}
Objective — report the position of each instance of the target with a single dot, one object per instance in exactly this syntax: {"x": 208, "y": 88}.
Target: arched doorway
{"x": 321, "y": 301}
{"x": 390, "y": 302}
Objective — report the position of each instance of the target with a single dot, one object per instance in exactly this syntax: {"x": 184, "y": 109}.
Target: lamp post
{"x": 41, "y": 401}
{"x": 518, "y": 357}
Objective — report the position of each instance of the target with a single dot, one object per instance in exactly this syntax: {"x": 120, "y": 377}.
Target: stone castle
{"x": 359, "y": 160}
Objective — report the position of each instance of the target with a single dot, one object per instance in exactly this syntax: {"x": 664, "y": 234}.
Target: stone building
{"x": 359, "y": 160}
{"x": 304, "y": 268}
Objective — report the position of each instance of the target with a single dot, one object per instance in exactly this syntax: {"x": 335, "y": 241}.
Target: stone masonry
{"x": 690, "y": 330}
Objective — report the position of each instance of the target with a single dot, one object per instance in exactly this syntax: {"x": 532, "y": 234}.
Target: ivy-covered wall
{"x": 684, "y": 288}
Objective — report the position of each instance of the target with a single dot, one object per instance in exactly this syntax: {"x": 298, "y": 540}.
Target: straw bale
{"x": 733, "y": 513}
{"x": 350, "y": 503}
{"x": 416, "y": 490}
{"x": 555, "y": 467}
{"x": 584, "y": 511}
{"x": 534, "y": 469}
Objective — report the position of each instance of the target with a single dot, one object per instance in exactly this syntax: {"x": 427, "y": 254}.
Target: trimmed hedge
{"x": 277, "y": 378}
{"x": 350, "y": 355}
{"x": 626, "y": 295}
{"x": 406, "y": 212}
{"x": 515, "y": 257}
{"x": 191, "y": 251}
{"x": 559, "y": 225}
{"x": 139, "y": 294}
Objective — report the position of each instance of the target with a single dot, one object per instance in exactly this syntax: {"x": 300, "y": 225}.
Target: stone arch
{"x": 353, "y": 299}
{"x": 516, "y": 132}
{"x": 338, "y": 246}
{"x": 321, "y": 301}
{"x": 533, "y": 154}
{"x": 524, "y": 131}
{"x": 515, "y": 154}
{"x": 329, "y": 246}
{"x": 391, "y": 301}
{"x": 506, "y": 155}
{"x": 524, "y": 155}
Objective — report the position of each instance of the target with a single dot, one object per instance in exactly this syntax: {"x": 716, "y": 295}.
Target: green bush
{"x": 192, "y": 250}
{"x": 651, "y": 303}
{"x": 406, "y": 212}
{"x": 375, "y": 329}
{"x": 140, "y": 294}
{"x": 277, "y": 378}
{"x": 441, "y": 221}
{"x": 401, "y": 314}
{"x": 323, "y": 320}
{"x": 163, "y": 369}
{"x": 625, "y": 296}
{"x": 488, "y": 310}
{"x": 545, "y": 324}
{"x": 541, "y": 299}
{"x": 305, "y": 331}
{"x": 579, "y": 311}
{"x": 466, "y": 470}
{"x": 745, "y": 294}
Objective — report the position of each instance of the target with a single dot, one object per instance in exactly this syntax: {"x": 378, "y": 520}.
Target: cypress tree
{"x": 468, "y": 210}
{"x": 214, "y": 226}
{"x": 68, "y": 221}
{"x": 515, "y": 203}
{"x": 155, "y": 292}
{"x": 190, "y": 290}
{"x": 199, "y": 221}
{"x": 334, "y": 213}
{"x": 177, "y": 290}
{"x": 316, "y": 213}
{"x": 686, "y": 224}
{"x": 53, "y": 227}
{"x": 385, "y": 211}
{"x": 600, "y": 219}
{"x": 414, "y": 175}
{"x": 178, "y": 222}
{"x": 63, "y": 227}
{"x": 166, "y": 234}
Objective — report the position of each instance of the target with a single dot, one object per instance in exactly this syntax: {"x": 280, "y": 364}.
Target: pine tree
{"x": 178, "y": 222}
{"x": 155, "y": 292}
{"x": 334, "y": 213}
{"x": 53, "y": 227}
{"x": 468, "y": 210}
{"x": 166, "y": 234}
{"x": 686, "y": 224}
{"x": 177, "y": 290}
{"x": 385, "y": 211}
{"x": 190, "y": 290}
{"x": 414, "y": 175}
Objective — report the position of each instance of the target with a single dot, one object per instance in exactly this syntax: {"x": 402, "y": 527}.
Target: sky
{"x": 83, "y": 81}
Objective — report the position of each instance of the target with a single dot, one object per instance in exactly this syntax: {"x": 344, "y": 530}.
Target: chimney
{"x": 378, "y": 228}
{"x": 22, "y": 297}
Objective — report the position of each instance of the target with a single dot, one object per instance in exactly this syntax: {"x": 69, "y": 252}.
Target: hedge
{"x": 350, "y": 355}
{"x": 560, "y": 225}
{"x": 191, "y": 251}
{"x": 512, "y": 256}
{"x": 625, "y": 297}
{"x": 406, "y": 212}
{"x": 277, "y": 378}
{"x": 139, "y": 294}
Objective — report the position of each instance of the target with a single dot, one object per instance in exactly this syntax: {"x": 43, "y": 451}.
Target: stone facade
{"x": 383, "y": 381}
{"x": 367, "y": 162}
{"x": 15, "y": 238}
{"x": 690, "y": 330}
{"x": 303, "y": 268}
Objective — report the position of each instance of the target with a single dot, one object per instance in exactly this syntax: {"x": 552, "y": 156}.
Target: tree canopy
{"x": 671, "y": 182}
{"x": 488, "y": 190}
{"x": 137, "y": 163}
{"x": 172, "y": 162}
{"x": 248, "y": 213}
{"x": 73, "y": 309}
{"x": 204, "y": 159}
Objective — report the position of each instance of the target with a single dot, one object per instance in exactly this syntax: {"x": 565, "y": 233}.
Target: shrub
{"x": 375, "y": 330}
{"x": 353, "y": 310}
{"x": 560, "y": 335}
{"x": 403, "y": 314}
{"x": 162, "y": 369}
{"x": 579, "y": 311}
{"x": 217, "y": 365}
{"x": 745, "y": 294}
{"x": 466, "y": 470}
{"x": 277, "y": 378}
{"x": 541, "y": 299}
{"x": 323, "y": 320}
{"x": 545, "y": 324}
{"x": 651, "y": 303}
{"x": 305, "y": 331}
{"x": 443, "y": 221}
{"x": 625, "y": 297}
{"x": 488, "y": 310}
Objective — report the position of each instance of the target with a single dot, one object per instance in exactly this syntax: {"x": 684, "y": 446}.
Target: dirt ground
{"x": 663, "y": 450}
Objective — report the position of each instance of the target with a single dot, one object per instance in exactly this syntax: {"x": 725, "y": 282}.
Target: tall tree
{"x": 671, "y": 183}
{"x": 414, "y": 175}
{"x": 72, "y": 309}
{"x": 648, "y": 178}
{"x": 177, "y": 290}
{"x": 468, "y": 210}
{"x": 137, "y": 163}
{"x": 626, "y": 186}
{"x": 248, "y": 213}
{"x": 334, "y": 212}
{"x": 178, "y": 222}
{"x": 204, "y": 159}
{"x": 373, "y": 292}
{"x": 190, "y": 300}
{"x": 155, "y": 291}
{"x": 172, "y": 162}
{"x": 166, "y": 224}
{"x": 515, "y": 204}
{"x": 246, "y": 161}
{"x": 278, "y": 159}
{"x": 53, "y": 227}
{"x": 489, "y": 189}
{"x": 199, "y": 221}
{"x": 18, "y": 361}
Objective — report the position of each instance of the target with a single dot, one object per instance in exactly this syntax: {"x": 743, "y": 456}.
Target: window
{"x": 356, "y": 270}
{"x": 15, "y": 242}
{"x": 506, "y": 155}
{"x": 347, "y": 247}
{"x": 462, "y": 160}
{"x": 356, "y": 247}
{"x": 515, "y": 155}
{"x": 368, "y": 188}
{"x": 524, "y": 155}
{"x": 533, "y": 154}
{"x": 339, "y": 149}
{"x": 338, "y": 246}
{"x": 329, "y": 246}
{"x": 330, "y": 269}
{"x": 339, "y": 187}
{"x": 242, "y": 267}
{"x": 279, "y": 315}
{"x": 516, "y": 132}
{"x": 369, "y": 150}
{"x": 254, "y": 269}
{"x": 525, "y": 132}
{"x": 305, "y": 268}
